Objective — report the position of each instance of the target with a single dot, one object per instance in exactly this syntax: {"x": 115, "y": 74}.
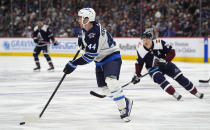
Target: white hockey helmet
{"x": 87, "y": 13}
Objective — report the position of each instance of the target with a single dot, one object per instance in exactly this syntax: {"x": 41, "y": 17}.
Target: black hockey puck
{"x": 22, "y": 123}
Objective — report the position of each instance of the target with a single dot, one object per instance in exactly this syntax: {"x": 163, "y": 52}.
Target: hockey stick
{"x": 103, "y": 96}
{"x": 33, "y": 118}
{"x": 204, "y": 81}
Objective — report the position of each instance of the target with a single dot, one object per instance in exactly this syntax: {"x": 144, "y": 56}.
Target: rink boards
{"x": 187, "y": 49}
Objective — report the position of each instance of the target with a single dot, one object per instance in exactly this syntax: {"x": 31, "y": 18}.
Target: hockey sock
{"x": 106, "y": 91}
{"x": 159, "y": 78}
{"x": 116, "y": 90}
{"x": 50, "y": 64}
{"x": 182, "y": 80}
{"x": 169, "y": 89}
{"x": 35, "y": 57}
{"x": 193, "y": 91}
{"x": 37, "y": 64}
{"x": 47, "y": 57}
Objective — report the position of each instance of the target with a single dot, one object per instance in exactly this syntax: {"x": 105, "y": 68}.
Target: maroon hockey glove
{"x": 170, "y": 55}
{"x": 138, "y": 68}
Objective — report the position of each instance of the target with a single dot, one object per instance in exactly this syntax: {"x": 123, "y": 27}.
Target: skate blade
{"x": 51, "y": 70}
{"x": 126, "y": 119}
{"x": 37, "y": 70}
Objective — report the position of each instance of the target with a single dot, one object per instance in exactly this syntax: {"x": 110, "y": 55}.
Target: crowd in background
{"x": 121, "y": 17}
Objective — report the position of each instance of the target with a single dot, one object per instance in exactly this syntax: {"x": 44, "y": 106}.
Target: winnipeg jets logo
{"x": 91, "y": 35}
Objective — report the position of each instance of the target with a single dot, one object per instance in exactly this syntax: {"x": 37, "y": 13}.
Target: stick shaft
{"x": 151, "y": 71}
{"x": 51, "y": 97}
{"x": 48, "y": 102}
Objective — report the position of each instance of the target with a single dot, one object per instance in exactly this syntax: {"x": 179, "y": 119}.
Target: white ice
{"x": 24, "y": 92}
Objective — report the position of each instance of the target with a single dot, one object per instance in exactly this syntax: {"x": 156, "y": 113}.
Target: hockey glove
{"x": 69, "y": 68}
{"x": 55, "y": 43}
{"x": 36, "y": 41}
{"x": 135, "y": 79}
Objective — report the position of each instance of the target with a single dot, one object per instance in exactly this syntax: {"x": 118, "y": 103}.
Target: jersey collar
{"x": 150, "y": 48}
{"x": 94, "y": 24}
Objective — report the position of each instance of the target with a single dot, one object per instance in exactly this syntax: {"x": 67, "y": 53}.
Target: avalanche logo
{"x": 91, "y": 35}
{"x": 6, "y": 45}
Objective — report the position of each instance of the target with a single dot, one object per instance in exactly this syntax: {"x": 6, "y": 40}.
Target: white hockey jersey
{"x": 158, "y": 50}
{"x": 99, "y": 46}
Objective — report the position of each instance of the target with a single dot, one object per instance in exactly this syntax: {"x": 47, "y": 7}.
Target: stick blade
{"x": 30, "y": 118}
{"x": 97, "y": 95}
{"x": 203, "y": 81}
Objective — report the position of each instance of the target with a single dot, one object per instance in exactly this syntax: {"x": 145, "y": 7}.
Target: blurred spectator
{"x": 27, "y": 32}
{"x": 170, "y": 32}
{"x": 126, "y": 17}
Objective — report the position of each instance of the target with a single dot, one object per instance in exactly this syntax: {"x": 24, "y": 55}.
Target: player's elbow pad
{"x": 138, "y": 68}
{"x": 170, "y": 55}
{"x": 52, "y": 38}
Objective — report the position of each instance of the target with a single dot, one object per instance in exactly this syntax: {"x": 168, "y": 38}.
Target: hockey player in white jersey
{"x": 100, "y": 47}
{"x": 159, "y": 53}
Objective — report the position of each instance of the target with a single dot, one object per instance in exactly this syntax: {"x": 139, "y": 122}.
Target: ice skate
{"x": 125, "y": 113}
{"x": 177, "y": 96}
{"x": 199, "y": 95}
{"x": 51, "y": 69}
{"x": 37, "y": 69}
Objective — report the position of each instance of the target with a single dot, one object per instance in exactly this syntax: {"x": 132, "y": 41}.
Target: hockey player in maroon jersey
{"x": 158, "y": 53}
{"x": 42, "y": 35}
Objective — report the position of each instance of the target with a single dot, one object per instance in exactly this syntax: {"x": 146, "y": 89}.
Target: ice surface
{"x": 24, "y": 92}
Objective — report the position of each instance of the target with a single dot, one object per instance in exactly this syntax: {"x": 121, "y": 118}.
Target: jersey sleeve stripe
{"x": 113, "y": 57}
{"x": 89, "y": 57}
{"x": 74, "y": 66}
{"x": 86, "y": 59}
{"x": 92, "y": 54}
